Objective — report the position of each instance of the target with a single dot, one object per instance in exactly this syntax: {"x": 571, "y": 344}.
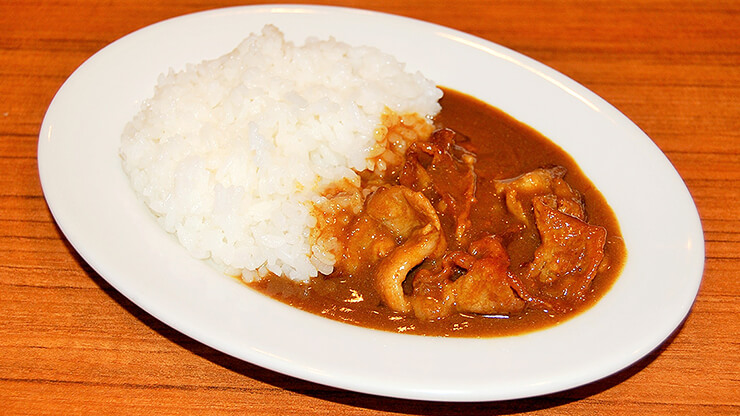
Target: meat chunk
{"x": 401, "y": 210}
{"x": 334, "y": 211}
{"x": 486, "y": 287}
{"x": 483, "y": 288}
{"x": 393, "y": 269}
{"x": 397, "y": 231}
{"x": 368, "y": 241}
{"x": 521, "y": 191}
{"x": 444, "y": 173}
{"x": 432, "y": 295}
{"x": 568, "y": 259}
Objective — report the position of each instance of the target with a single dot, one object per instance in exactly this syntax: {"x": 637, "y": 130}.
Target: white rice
{"x": 230, "y": 153}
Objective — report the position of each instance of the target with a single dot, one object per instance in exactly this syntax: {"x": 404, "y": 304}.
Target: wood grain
{"x": 70, "y": 344}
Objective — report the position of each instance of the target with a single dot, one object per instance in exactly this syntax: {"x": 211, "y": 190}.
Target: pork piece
{"x": 401, "y": 210}
{"x": 393, "y": 269}
{"x": 444, "y": 172}
{"x": 485, "y": 286}
{"x": 367, "y": 242}
{"x": 568, "y": 258}
{"x": 432, "y": 295}
{"x": 339, "y": 206}
{"x": 398, "y": 230}
{"x": 521, "y": 190}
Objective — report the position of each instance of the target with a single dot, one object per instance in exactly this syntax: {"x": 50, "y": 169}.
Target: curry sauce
{"x": 494, "y": 225}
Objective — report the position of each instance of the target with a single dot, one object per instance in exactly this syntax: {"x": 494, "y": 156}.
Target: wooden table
{"x": 70, "y": 344}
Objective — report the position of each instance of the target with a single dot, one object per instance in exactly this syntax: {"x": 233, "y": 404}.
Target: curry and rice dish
{"x": 328, "y": 177}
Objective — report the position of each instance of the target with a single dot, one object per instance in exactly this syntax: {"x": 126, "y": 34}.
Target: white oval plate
{"x": 91, "y": 201}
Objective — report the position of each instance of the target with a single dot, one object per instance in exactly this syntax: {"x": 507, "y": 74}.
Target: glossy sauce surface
{"x": 505, "y": 148}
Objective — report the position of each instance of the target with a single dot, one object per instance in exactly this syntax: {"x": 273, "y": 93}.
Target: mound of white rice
{"x": 229, "y": 153}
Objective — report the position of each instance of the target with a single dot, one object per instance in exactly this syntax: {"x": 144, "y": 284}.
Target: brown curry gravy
{"x": 506, "y": 148}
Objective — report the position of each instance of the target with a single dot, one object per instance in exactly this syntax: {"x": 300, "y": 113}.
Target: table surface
{"x": 71, "y": 344}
